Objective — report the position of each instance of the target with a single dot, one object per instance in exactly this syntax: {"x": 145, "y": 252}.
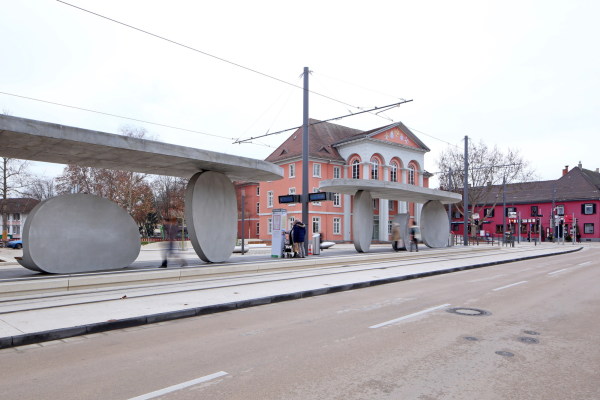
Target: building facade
{"x": 542, "y": 210}
{"x": 16, "y": 211}
{"x": 389, "y": 153}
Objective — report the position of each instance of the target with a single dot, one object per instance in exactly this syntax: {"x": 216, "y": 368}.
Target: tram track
{"x": 90, "y": 296}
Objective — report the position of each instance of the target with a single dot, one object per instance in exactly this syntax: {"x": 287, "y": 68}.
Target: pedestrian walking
{"x": 413, "y": 237}
{"x": 170, "y": 231}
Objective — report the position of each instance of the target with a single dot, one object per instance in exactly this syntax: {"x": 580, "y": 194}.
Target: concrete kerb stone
{"x": 63, "y": 333}
{"x": 30, "y": 285}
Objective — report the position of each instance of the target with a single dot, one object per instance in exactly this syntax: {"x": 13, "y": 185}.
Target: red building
{"x": 389, "y": 153}
{"x": 541, "y": 209}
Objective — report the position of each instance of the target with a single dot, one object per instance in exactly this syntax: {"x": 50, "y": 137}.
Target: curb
{"x": 63, "y": 333}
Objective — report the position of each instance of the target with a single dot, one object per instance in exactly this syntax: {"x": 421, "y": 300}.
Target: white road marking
{"x": 180, "y": 386}
{"x": 556, "y": 272}
{"x": 511, "y": 285}
{"x": 393, "y": 321}
{"x": 584, "y": 263}
{"x": 486, "y": 279}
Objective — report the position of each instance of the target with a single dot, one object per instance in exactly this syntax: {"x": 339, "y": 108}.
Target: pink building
{"x": 389, "y": 153}
{"x": 542, "y": 207}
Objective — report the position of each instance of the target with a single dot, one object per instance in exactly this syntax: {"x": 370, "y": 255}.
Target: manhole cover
{"x": 505, "y": 353}
{"x": 528, "y": 340}
{"x": 471, "y": 338}
{"x": 474, "y": 312}
{"x": 531, "y": 332}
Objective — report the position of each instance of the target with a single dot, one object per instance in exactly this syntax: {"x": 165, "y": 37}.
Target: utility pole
{"x": 466, "y": 194}
{"x": 504, "y": 208}
{"x": 243, "y": 217}
{"x": 305, "y": 159}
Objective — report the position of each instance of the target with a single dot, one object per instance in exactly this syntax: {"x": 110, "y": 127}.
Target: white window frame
{"x": 258, "y": 207}
{"x": 269, "y": 226}
{"x": 270, "y": 199}
{"x": 292, "y": 190}
{"x": 394, "y": 172}
{"x": 316, "y": 222}
{"x": 588, "y": 228}
{"x": 375, "y": 169}
{"x": 337, "y": 226}
{"x": 316, "y": 170}
{"x": 258, "y": 190}
{"x": 337, "y": 172}
{"x": 389, "y": 227}
{"x": 355, "y": 169}
{"x": 337, "y": 200}
{"x": 258, "y": 229}
{"x": 411, "y": 174}
{"x": 560, "y": 210}
{"x": 292, "y": 170}
{"x": 292, "y": 220}
{"x": 588, "y": 209}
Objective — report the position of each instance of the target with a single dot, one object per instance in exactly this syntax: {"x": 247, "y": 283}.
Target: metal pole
{"x": 466, "y": 194}
{"x": 305, "y": 159}
{"x": 504, "y": 208}
{"x": 243, "y": 216}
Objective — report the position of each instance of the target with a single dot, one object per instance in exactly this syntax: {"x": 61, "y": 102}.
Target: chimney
{"x": 566, "y": 170}
{"x": 579, "y": 165}
{"x": 598, "y": 172}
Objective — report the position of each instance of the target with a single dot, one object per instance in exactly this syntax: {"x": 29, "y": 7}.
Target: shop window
{"x": 588, "y": 228}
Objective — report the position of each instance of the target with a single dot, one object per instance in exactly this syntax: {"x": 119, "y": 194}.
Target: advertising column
{"x": 278, "y": 232}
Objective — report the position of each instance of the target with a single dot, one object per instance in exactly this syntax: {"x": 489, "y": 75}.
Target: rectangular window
{"x": 391, "y": 205}
{"x": 16, "y": 217}
{"x": 355, "y": 170}
{"x": 337, "y": 173}
{"x": 337, "y": 200}
{"x": 560, "y": 210}
{"x": 292, "y": 191}
{"x": 270, "y": 199}
{"x": 375, "y": 204}
{"x": 389, "y": 227}
{"x": 270, "y": 225}
{"x": 534, "y": 211}
{"x": 588, "y": 209}
{"x": 488, "y": 212}
{"x": 337, "y": 226}
{"x": 588, "y": 228}
{"x": 258, "y": 207}
{"x": 316, "y": 224}
{"x": 16, "y": 229}
{"x": 292, "y": 170}
{"x": 257, "y": 229}
{"x": 258, "y": 190}
{"x": 316, "y": 203}
{"x": 510, "y": 210}
{"x": 316, "y": 170}
{"x": 292, "y": 220}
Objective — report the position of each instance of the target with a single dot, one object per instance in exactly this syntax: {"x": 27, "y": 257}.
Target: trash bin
{"x": 316, "y": 243}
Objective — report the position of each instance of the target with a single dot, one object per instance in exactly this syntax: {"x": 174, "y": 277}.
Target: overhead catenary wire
{"x": 206, "y": 54}
{"x": 383, "y": 108}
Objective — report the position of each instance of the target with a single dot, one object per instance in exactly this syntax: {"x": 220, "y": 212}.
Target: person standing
{"x": 413, "y": 237}
{"x": 298, "y": 235}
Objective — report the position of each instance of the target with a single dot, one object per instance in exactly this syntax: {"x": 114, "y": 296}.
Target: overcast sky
{"x": 520, "y": 74}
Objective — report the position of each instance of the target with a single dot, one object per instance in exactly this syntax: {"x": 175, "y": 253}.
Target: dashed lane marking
{"x": 180, "y": 386}
{"x": 507, "y": 286}
{"x": 393, "y": 321}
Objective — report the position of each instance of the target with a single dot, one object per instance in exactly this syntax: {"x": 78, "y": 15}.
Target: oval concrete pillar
{"x": 362, "y": 221}
{"x": 211, "y": 215}
{"x": 79, "y": 233}
{"x": 435, "y": 227}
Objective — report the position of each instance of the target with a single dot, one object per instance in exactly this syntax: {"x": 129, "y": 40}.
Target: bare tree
{"x": 488, "y": 168}
{"x": 41, "y": 188}
{"x": 130, "y": 190}
{"x": 169, "y": 194}
{"x": 14, "y": 175}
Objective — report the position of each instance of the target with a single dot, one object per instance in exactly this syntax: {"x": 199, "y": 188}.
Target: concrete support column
{"x": 384, "y": 218}
{"x": 347, "y": 220}
{"x": 362, "y": 221}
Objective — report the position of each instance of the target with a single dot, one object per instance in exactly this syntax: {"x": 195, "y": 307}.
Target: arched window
{"x": 374, "y": 168}
{"x": 411, "y": 174}
{"x": 355, "y": 169}
{"x": 394, "y": 171}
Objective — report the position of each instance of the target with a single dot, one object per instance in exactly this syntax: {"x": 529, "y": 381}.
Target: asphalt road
{"x": 397, "y": 341}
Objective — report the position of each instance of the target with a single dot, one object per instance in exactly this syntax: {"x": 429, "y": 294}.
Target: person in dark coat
{"x": 170, "y": 229}
{"x": 298, "y": 234}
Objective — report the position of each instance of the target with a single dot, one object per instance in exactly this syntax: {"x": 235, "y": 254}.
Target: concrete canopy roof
{"x": 389, "y": 190}
{"x": 42, "y": 141}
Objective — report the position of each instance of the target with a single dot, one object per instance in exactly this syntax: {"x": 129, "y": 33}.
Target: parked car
{"x": 15, "y": 244}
